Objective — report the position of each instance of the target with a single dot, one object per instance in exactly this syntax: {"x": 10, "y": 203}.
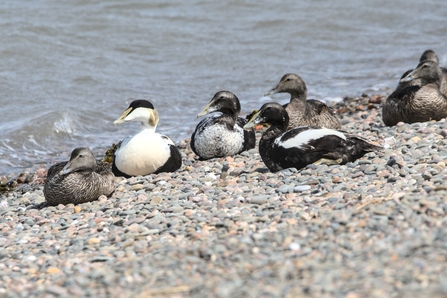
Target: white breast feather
{"x": 306, "y": 136}
{"x": 142, "y": 154}
{"x": 216, "y": 139}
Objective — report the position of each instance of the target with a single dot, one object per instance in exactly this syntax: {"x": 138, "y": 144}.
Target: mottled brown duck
{"x": 81, "y": 179}
{"x": 303, "y": 111}
{"x": 420, "y": 102}
{"x": 428, "y": 55}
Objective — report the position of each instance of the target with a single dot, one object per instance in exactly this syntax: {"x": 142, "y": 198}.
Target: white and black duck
{"x": 304, "y": 112}
{"x": 222, "y": 134}
{"x": 146, "y": 152}
{"x": 79, "y": 180}
{"x": 421, "y": 101}
{"x": 296, "y": 148}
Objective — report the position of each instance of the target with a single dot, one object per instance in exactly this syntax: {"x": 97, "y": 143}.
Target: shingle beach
{"x": 229, "y": 228}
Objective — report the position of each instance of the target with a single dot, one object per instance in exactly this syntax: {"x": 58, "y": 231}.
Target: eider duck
{"x": 81, "y": 179}
{"x": 303, "y": 112}
{"x": 222, "y": 134}
{"x": 427, "y": 55}
{"x": 421, "y": 102}
{"x": 281, "y": 148}
{"x": 147, "y": 152}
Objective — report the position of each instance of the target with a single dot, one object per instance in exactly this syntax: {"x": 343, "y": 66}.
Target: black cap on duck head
{"x": 140, "y": 110}
{"x": 223, "y": 101}
{"x": 141, "y": 103}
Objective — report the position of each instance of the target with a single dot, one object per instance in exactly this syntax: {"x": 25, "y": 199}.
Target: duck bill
{"x": 66, "y": 170}
{"x": 122, "y": 117}
{"x": 253, "y": 121}
{"x": 204, "y": 111}
{"x": 271, "y": 91}
{"x": 408, "y": 77}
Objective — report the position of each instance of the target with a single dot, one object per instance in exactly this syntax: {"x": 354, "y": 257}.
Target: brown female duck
{"x": 431, "y": 56}
{"x": 82, "y": 179}
{"x": 303, "y": 112}
{"x": 422, "y": 101}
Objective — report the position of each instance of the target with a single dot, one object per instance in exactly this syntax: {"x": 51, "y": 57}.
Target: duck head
{"x": 290, "y": 83}
{"x": 140, "y": 110}
{"x": 427, "y": 71}
{"x": 223, "y": 101}
{"x": 271, "y": 113}
{"x": 429, "y": 55}
{"x": 81, "y": 159}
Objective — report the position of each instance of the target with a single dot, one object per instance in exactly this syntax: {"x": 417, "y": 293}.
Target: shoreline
{"x": 28, "y": 174}
{"x": 372, "y": 228}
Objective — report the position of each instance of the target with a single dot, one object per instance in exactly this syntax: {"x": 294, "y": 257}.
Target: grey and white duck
{"x": 222, "y": 133}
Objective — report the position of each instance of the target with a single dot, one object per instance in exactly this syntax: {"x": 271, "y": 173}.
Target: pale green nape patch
{"x": 153, "y": 119}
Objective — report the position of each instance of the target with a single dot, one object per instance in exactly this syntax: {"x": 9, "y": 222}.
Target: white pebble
{"x": 301, "y": 188}
{"x": 294, "y": 246}
{"x": 31, "y": 258}
{"x": 211, "y": 175}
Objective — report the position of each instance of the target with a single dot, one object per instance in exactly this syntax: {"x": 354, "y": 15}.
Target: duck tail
{"x": 359, "y": 147}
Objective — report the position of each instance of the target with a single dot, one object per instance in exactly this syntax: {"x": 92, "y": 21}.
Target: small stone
{"x": 259, "y": 200}
{"x": 294, "y": 246}
{"x": 128, "y": 242}
{"x": 57, "y": 290}
{"x": 284, "y": 189}
{"x": 136, "y": 187}
{"x": 77, "y": 209}
{"x": 300, "y": 188}
{"x": 305, "y": 216}
{"x": 53, "y": 270}
{"x": 156, "y": 200}
{"x": 415, "y": 139}
{"x": 93, "y": 241}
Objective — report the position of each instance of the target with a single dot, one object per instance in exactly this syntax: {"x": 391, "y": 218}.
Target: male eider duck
{"x": 303, "y": 112}
{"x": 420, "y": 102}
{"x": 222, "y": 134}
{"x": 146, "y": 152}
{"x": 81, "y": 179}
{"x": 281, "y": 148}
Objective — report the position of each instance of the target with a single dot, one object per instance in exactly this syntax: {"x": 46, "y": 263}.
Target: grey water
{"x": 68, "y": 69}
